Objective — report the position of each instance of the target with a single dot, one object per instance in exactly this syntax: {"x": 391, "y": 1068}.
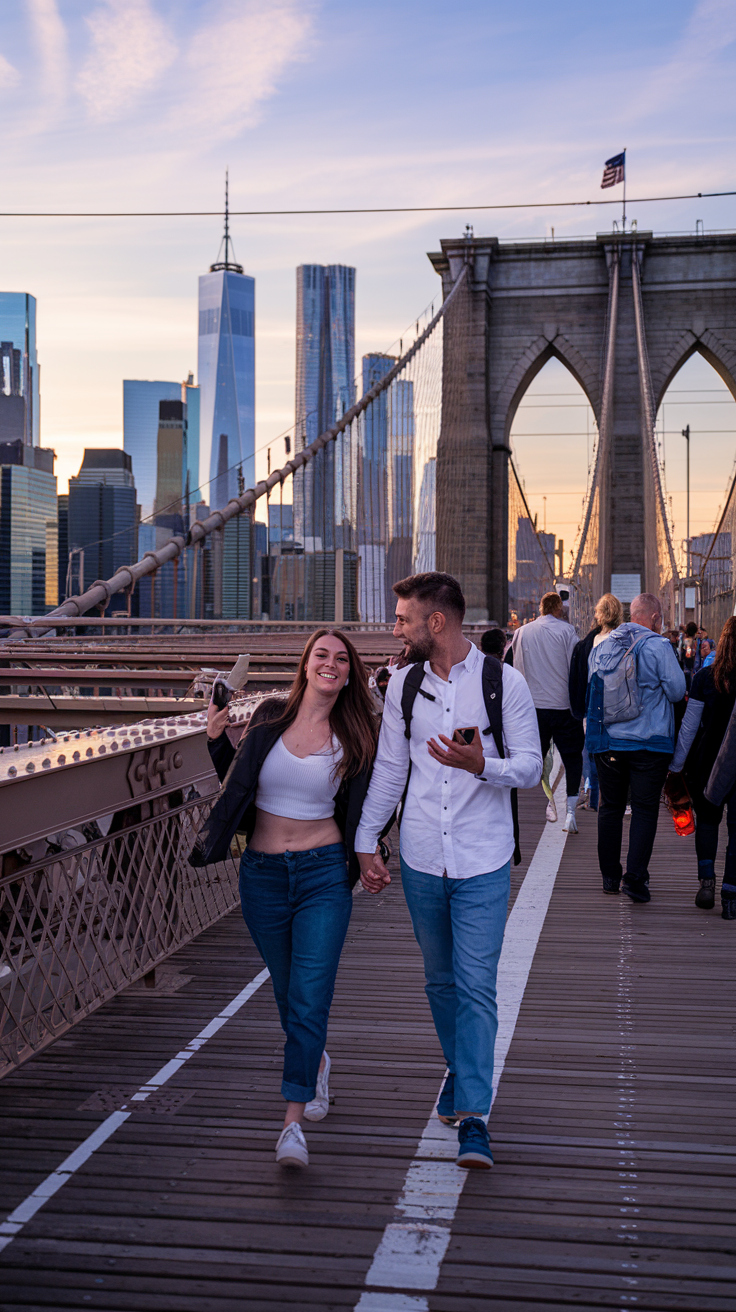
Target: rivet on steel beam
{"x": 46, "y": 763}
{"x": 12, "y": 771}
{"x": 102, "y": 749}
{"x": 90, "y": 751}
{"x": 76, "y": 756}
{"x": 61, "y": 760}
{"x": 30, "y": 768}
{"x": 114, "y": 747}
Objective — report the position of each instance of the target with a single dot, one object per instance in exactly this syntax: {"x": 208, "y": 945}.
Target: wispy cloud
{"x": 131, "y": 48}
{"x": 693, "y": 60}
{"x": 235, "y": 61}
{"x": 9, "y": 76}
{"x": 50, "y": 40}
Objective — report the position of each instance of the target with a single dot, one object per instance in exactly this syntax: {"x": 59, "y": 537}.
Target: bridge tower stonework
{"x": 522, "y": 304}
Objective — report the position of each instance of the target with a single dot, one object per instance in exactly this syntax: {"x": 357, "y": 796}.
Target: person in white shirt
{"x": 457, "y": 834}
{"x": 542, "y": 653}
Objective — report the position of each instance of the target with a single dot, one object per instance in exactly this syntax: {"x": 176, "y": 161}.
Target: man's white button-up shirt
{"x": 453, "y": 822}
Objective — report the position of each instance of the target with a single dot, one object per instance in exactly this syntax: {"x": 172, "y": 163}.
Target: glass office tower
{"x": 19, "y": 379}
{"x": 101, "y": 521}
{"x": 141, "y": 400}
{"x": 325, "y": 386}
{"x": 29, "y": 536}
{"x": 227, "y": 381}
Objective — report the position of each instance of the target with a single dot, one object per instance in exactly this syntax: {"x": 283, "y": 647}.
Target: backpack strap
{"x": 492, "y": 677}
{"x": 412, "y": 685}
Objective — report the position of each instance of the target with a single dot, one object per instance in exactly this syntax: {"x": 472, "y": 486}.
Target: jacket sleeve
{"x": 723, "y": 775}
{"x": 222, "y": 752}
{"x": 670, "y": 675}
{"x": 686, "y": 736}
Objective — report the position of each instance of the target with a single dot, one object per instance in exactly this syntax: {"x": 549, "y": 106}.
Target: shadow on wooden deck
{"x": 614, "y": 1135}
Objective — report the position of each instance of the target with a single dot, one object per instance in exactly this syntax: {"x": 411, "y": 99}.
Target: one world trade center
{"x": 226, "y": 363}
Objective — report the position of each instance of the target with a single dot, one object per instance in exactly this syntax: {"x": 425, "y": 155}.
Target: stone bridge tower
{"x": 520, "y": 305}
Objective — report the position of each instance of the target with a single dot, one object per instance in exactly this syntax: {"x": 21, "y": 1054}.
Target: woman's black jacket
{"x": 578, "y": 678}
{"x": 235, "y": 806}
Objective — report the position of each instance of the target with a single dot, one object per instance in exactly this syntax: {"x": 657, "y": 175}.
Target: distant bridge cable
{"x": 376, "y": 209}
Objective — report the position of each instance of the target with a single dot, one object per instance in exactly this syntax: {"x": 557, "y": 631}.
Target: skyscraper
{"x": 101, "y": 519}
{"x": 227, "y": 376}
{"x": 325, "y": 389}
{"x": 28, "y": 530}
{"x": 141, "y": 400}
{"x": 19, "y": 381}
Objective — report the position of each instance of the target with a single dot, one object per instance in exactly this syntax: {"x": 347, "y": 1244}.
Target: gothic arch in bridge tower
{"x": 522, "y": 304}
{"x": 710, "y": 346}
{"x": 536, "y": 356}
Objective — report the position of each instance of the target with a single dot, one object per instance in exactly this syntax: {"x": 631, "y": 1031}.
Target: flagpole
{"x": 624, "y": 214}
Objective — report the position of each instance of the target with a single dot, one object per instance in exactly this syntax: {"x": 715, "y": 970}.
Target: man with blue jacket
{"x": 633, "y": 750}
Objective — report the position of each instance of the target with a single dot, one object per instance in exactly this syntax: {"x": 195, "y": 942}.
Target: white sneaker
{"x": 317, "y": 1109}
{"x": 551, "y": 812}
{"x": 291, "y": 1148}
{"x": 571, "y": 825}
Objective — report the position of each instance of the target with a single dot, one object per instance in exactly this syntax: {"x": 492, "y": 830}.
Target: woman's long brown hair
{"x": 352, "y": 719}
{"x": 724, "y": 665}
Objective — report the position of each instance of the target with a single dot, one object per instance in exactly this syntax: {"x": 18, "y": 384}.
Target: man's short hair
{"x": 691, "y": 629}
{"x": 440, "y": 591}
{"x": 493, "y": 643}
{"x": 382, "y": 674}
{"x": 647, "y": 602}
{"x": 551, "y": 604}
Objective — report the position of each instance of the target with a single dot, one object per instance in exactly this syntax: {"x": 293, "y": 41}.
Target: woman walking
{"x": 608, "y": 614}
{"x": 712, "y": 698}
{"x": 295, "y": 785}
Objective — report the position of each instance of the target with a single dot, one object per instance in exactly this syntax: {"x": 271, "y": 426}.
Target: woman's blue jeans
{"x": 459, "y": 925}
{"x": 297, "y": 907}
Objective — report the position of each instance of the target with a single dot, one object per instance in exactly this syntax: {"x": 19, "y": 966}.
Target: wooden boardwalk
{"x": 614, "y": 1128}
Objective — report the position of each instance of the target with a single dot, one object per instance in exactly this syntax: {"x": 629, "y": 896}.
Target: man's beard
{"x": 419, "y": 650}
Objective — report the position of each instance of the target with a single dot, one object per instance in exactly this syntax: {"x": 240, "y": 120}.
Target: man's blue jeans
{"x": 297, "y": 907}
{"x": 459, "y": 925}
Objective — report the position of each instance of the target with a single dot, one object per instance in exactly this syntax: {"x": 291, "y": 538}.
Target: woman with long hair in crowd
{"x": 711, "y": 701}
{"x": 295, "y": 785}
{"x": 608, "y": 614}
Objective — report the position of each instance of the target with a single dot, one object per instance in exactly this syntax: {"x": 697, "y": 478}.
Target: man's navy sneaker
{"x": 637, "y": 888}
{"x": 474, "y": 1145}
{"x": 446, "y": 1103}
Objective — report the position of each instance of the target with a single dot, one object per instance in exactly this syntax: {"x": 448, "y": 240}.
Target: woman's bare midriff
{"x": 277, "y": 833}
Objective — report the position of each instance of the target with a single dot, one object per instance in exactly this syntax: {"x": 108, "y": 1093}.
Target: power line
{"x": 382, "y": 209}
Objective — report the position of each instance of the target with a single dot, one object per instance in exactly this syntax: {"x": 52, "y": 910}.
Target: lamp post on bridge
{"x": 686, "y": 435}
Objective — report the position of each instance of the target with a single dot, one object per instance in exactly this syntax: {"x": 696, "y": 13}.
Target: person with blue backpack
{"x": 635, "y": 681}
{"x": 459, "y": 735}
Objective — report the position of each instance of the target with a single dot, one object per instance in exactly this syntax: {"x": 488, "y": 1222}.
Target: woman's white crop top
{"x": 299, "y": 789}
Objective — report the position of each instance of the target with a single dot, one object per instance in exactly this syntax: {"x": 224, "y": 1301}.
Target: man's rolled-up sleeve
{"x": 522, "y": 765}
{"x": 389, "y": 776}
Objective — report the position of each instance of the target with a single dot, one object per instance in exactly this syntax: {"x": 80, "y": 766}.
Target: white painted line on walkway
{"x": 11, "y": 1227}
{"x": 412, "y": 1250}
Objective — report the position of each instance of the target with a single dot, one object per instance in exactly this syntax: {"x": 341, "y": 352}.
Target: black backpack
{"x": 492, "y": 679}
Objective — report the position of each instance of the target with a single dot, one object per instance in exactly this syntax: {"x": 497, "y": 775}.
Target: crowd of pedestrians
{"x": 315, "y": 785}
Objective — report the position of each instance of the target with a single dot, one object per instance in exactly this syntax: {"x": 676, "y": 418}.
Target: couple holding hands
{"x": 315, "y": 788}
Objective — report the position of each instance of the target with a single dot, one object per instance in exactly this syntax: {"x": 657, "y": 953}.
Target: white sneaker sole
{"x": 571, "y": 825}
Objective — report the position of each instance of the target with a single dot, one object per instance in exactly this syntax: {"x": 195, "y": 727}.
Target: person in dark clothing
{"x": 688, "y": 652}
{"x": 493, "y": 643}
{"x": 296, "y": 784}
{"x": 709, "y": 709}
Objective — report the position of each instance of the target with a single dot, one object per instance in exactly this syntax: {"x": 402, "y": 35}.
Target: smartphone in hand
{"x": 465, "y": 736}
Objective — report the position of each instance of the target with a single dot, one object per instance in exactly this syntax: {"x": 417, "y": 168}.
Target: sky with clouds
{"x": 141, "y": 104}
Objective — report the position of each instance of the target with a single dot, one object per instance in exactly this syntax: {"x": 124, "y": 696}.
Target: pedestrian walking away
{"x": 607, "y": 616}
{"x": 295, "y": 786}
{"x": 635, "y": 680}
{"x": 709, "y": 710}
{"x": 445, "y": 748}
{"x": 542, "y": 652}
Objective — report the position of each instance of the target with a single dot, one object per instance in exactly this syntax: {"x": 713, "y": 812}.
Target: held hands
{"x": 217, "y": 721}
{"x": 374, "y": 875}
{"x": 460, "y": 756}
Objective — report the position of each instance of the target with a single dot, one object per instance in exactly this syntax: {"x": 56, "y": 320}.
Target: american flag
{"x": 613, "y": 170}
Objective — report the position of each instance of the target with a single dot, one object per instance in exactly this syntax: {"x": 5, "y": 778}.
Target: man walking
{"x": 635, "y": 679}
{"x": 457, "y": 832}
{"x": 542, "y": 653}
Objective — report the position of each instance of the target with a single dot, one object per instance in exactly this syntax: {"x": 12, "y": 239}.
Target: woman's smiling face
{"x": 328, "y": 665}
